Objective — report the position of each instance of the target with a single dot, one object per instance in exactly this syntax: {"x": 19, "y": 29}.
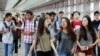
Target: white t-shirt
{"x": 8, "y": 36}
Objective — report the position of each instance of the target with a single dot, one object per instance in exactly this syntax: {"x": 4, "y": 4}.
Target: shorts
{"x": 87, "y": 52}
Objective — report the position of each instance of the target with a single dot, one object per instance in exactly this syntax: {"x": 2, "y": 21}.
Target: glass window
{"x": 92, "y": 15}
{"x": 96, "y": 7}
{"x": 68, "y": 9}
{"x": 92, "y": 6}
{"x": 99, "y": 5}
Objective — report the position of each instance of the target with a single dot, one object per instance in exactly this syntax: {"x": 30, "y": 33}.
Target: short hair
{"x": 8, "y": 14}
{"x": 96, "y": 12}
{"x": 75, "y": 12}
{"x": 61, "y": 12}
{"x": 29, "y": 12}
{"x": 52, "y": 14}
{"x": 16, "y": 15}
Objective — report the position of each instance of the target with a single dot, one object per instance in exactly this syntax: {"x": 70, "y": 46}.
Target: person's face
{"x": 76, "y": 15}
{"x": 97, "y": 16}
{"x": 28, "y": 16}
{"x": 64, "y": 23}
{"x": 61, "y": 15}
{"x": 51, "y": 18}
{"x": 9, "y": 18}
{"x": 84, "y": 22}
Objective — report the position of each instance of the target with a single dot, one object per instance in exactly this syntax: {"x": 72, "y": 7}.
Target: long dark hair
{"x": 69, "y": 29}
{"x": 13, "y": 18}
{"x": 41, "y": 27}
{"x": 83, "y": 33}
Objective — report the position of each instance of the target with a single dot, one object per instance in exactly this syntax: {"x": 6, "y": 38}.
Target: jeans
{"x": 27, "y": 48}
{"x": 8, "y": 49}
{"x": 64, "y": 53}
{"x": 16, "y": 46}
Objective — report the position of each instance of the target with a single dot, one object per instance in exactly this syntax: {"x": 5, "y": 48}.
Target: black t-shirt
{"x": 96, "y": 24}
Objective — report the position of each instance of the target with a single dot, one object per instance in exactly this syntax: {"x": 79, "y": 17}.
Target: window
{"x": 92, "y": 6}
{"x": 92, "y": 15}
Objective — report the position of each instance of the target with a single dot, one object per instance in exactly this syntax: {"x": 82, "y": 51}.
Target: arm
{"x": 33, "y": 46}
{"x": 97, "y": 39}
{"x": 53, "y": 46}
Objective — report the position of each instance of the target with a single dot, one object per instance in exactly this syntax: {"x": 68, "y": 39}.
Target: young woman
{"x": 66, "y": 38}
{"x": 41, "y": 41}
{"x": 87, "y": 38}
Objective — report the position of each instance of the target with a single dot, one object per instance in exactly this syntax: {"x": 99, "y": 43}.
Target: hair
{"x": 8, "y": 14}
{"x": 29, "y": 12}
{"x": 52, "y": 14}
{"x": 96, "y": 12}
{"x": 41, "y": 27}
{"x": 74, "y": 13}
{"x": 16, "y": 15}
{"x": 70, "y": 30}
{"x": 61, "y": 12}
{"x": 13, "y": 18}
{"x": 83, "y": 33}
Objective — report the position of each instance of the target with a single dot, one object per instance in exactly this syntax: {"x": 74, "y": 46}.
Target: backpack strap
{"x": 6, "y": 25}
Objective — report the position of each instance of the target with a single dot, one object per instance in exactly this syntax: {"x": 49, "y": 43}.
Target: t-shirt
{"x": 86, "y": 42}
{"x": 8, "y": 36}
{"x": 96, "y": 24}
{"x": 66, "y": 42}
{"x": 43, "y": 42}
{"x": 76, "y": 23}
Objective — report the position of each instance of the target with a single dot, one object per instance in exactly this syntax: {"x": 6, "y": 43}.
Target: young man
{"x": 6, "y": 28}
{"x": 28, "y": 32}
{"x": 51, "y": 26}
{"x": 58, "y": 19}
{"x": 96, "y": 20}
{"x": 96, "y": 24}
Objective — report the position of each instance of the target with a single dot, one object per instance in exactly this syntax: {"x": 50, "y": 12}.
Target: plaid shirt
{"x": 28, "y": 26}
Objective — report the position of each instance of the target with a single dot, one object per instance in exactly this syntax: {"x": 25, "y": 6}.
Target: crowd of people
{"x": 51, "y": 34}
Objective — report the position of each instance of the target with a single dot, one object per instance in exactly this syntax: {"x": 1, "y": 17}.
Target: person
{"x": 76, "y": 21}
{"x": 58, "y": 19}
{"x": 51, "y": 28}
{"x": 41, "y": 42}
{"x": 96, "y": 23}
{"x": 18, "y": 31}
{"x": 76, "y": 24}
{"x": 15, "y": 42}
{"x": 86, "y": 37}
{"x": 66, "y": 38}
{"x": 7, "y": 27}
{"x": 28, "y": 32}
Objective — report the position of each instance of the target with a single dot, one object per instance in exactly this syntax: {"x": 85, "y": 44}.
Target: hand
{"x": 72, "y": 51}
{"x": 56, "y": 53}
{"x": 7, "y": 30}
{"x": 83, "y": 48}
{"x": 31, "y": 33}
{"x": 90, "y": 46}
{"x": 26, "y": 32}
